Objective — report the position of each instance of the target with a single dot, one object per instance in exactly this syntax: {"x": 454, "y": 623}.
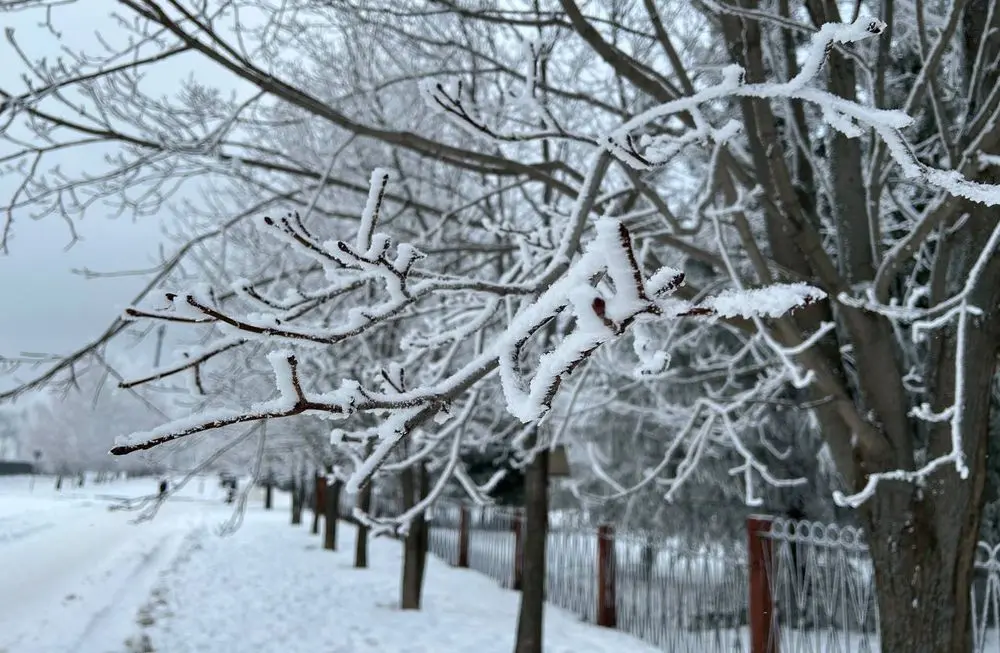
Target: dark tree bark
{"x": 331, "y": 503}
{"x": 317, "y": 502}
{"x": 923, "y": 540}
{"x": 361, "y": 541}
{"x": 535, "y": 532}
{"x": 268, "y": 495}
{"x": 298, "y": 496}
{"x": 416, "y": 486}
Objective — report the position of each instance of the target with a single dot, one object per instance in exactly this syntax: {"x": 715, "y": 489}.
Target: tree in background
{"x": 73, "y": 427}
{"x": 9, "y": 438}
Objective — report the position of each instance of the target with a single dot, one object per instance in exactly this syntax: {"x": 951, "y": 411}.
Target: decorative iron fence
{"x": 680, "y": 596}
{"x": 822, "y": 590}
{"x": 790, "y": 587}
{"x": 822, "y": 587}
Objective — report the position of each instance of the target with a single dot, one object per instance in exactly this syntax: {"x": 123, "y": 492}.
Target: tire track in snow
{"x": 78, "y": 587}
{"x": 132, "y": 587}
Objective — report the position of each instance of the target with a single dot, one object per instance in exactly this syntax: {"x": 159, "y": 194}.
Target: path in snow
{"x": 72, "y": 573}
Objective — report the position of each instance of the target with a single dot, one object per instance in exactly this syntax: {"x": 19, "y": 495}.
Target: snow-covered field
{"x": 78, "y": 578}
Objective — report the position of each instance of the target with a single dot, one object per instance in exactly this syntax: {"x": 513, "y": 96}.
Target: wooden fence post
{"x": 463, "y": 537}
{"x": 763, "y": 626}
{"x": 518, "y": 549}
{"x": 607, "y": 613}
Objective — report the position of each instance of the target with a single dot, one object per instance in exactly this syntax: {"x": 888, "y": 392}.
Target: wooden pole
{"x": 763, "y": 626}
{"x": 463, "y": 537}
{"x": 607, "y": 613}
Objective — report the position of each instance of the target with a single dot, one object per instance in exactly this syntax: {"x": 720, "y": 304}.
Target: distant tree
{"x": 73, "y": 428}
{"x": 9, "y": 438}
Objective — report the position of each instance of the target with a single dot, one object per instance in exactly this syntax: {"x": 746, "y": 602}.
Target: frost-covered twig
{"x": 598, "y": 319}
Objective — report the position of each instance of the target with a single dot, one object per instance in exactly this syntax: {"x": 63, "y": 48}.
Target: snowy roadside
{"x": 269, "y": 588}
{"x": 72, "y": 573}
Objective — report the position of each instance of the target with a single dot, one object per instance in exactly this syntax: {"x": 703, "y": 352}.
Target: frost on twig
{"x": 599, "y": 317}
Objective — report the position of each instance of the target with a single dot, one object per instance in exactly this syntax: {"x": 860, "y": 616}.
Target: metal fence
{"x": 823, "y": 589}
{"x": 679, "y": 597}
{"x": 821, "y": 581}
{"x": 699, "y": 597}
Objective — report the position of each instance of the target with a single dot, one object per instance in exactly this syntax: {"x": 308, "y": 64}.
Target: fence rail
{"x": 790, "y": 587}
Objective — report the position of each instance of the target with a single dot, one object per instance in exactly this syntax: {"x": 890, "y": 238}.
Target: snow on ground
{"x": 73, "y": 573}
{"x": 270, "y": 588}
{"x": 76, "y": 577}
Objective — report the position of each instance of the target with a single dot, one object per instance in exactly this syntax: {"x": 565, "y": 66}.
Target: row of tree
{"x": 601, "y": 218}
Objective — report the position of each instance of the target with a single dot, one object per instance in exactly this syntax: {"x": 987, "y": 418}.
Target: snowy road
{"x": 72, "y": 573}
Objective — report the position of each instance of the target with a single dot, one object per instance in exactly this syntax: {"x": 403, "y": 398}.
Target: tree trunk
{"x": 361, "y": 541}
{"x": 317, "y": 502}
{"x": 59, "y": 482}
{"x": 424, "y": 488}
{"x": 416, "y": 486}
{"x": 297, "y": 497}
{"x": 922, "y": 539}
{"x": 331, "y": 503}
{"x": 535, "y": 532}
{"x": 923, "y": 579}
{"x": 268, "y": 496}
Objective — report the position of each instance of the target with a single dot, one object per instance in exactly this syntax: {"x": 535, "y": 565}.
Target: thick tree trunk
{"x": 923, "y": 539}
{"x": 268, "y": 496}
{"x": 331, "y": 502}
{"x": 535, "y": 532}
{"x": 361, "y": 541}
{"x": 923, "y": 577}
{"x": 416, "y": 486}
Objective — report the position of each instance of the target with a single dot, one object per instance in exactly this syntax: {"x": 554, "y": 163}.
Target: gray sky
{"x": 44, "y": 306}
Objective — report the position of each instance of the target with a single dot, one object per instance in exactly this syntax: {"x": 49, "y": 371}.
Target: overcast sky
{"x": 44, "y": 306}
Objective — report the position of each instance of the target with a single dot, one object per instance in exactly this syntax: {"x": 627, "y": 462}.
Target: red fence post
{"x": 518, "y": 550}
{"x": 463, "y": 537}
{"x": 763, "y": 628}
{"x": 607, "y": 614}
